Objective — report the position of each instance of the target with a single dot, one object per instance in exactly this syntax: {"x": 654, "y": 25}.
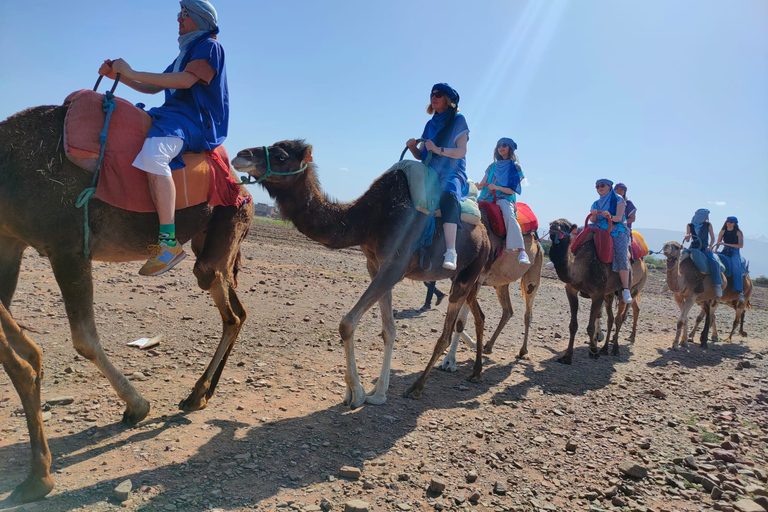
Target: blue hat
{"x": 604, "y": 180}
{"x": 512, "y": 144}
{"x": 732, "y": 219}
{"x": 700, "y": 216}
{"x": 203, "y": 13}
{"x": 620, "y": 185}
{"x": 448, "y": 90}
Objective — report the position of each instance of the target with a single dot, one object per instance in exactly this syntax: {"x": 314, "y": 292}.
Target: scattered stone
{"x": 326, "y": 505}
{"x": 472, "y": 476}
{"x": 122, "y": 491}
{"x": 571, "y": 445}
{"x": 61, "y": 400}
{"x": 350, "y": 472}
{"x": 691, "y": 463}
{"x": 724, "y": 455}
{"x": 437, "y": 486}
{"x": 747, "y": 505}
{"x": 632, "y": 469}
{"x": 474, "y": 497}
{"x": 659, "y": 393}
{"x": 403, "y": 506}
{"x": 356, "y": 506}
{"x": 500, "y": 488}
{"x": 755, "y": 489}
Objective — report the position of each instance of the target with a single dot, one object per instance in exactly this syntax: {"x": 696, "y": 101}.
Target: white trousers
{"x": 514, "y": 233}
{"x": 156, "y": 154}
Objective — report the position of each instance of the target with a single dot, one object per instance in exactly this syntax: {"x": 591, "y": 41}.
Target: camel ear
{"x": 307, "y": 154}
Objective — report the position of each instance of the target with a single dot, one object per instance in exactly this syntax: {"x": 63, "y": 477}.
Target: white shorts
{"x": 157, "y": 153}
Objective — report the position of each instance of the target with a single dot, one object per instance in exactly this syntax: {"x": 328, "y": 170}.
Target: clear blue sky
{"x": 670, "y": 97}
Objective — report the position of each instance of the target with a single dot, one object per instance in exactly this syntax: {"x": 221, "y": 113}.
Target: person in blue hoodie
{"x": 699, "y": 232}
{"x": 194, "y": 117}
{"x": 611, "y": 205}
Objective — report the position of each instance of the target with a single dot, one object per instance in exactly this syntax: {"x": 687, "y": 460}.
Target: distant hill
{"x": 755, "y": 249}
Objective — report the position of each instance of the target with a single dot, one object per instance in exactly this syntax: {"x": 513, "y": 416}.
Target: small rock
{"x": 122, "y": 491}
{"x": 61, "y": 400}
{"x": 47, "y": 415}
{"x": 747, "y": 505}
{"x": 326, "y": 505}
{"x": 403, "y": 506}
{"x": 350, "y": 472}
{"x": 659, "y": 393}
{"x": 500, "y": 487}
{"x": 437, "y": 486}
{"x": 356, "y": 506}
{"x": 472, "y": 476}
{"x": 633, "y": 470}
{"x": 571, "y": 445}
{"x": 474, "y": 497}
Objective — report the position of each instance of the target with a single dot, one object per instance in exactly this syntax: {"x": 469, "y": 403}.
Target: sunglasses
{"x": 600, "y": 186}
{"x": 437, "y": 94}
{"x": 182, "y": 15}
{"x": 502, "y": 145}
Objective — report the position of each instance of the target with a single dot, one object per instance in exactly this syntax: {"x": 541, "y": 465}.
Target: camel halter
{"x": 248, "y": 181}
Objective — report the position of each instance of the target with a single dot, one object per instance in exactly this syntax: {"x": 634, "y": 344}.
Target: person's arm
{"x": 720, "y": 238}
{"x": 460, "y": 151}
{"x": 631, "y": 218}
{"x": 413, "y": 146}
{"x": 149, "y": 83}
{"x": 619, "y": 212}
{"x": 711, "y": 236}
{"x": 687, "y": 233}
{"x": 738, "y": 245}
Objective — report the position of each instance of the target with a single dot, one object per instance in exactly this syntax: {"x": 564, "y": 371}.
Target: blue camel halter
{"x": 247, "y": 180}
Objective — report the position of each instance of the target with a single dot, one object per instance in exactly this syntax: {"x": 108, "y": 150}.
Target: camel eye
{"x": 282, "y": 158}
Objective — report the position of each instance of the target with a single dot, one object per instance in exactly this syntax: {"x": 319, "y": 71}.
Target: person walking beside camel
{"x": 732, "y": 240}
{"x": 699, "y": 232}
{"x": 611, "y": 206}
{"x": 194, "y": 117}
{"x": 432, "y": 290}
{"x": 446, "y": 136}
{"x": 501, "y": 184}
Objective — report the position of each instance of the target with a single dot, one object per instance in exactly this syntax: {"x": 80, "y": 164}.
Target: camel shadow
{"x": 243, "y": 464}
{"x": 693, "y": 356}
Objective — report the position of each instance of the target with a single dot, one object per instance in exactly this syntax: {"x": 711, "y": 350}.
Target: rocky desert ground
{"x": 650, "y": 430}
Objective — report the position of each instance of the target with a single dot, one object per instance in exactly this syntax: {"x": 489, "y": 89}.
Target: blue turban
{"x": 448, "y": 90}
{"x": 203, "y": 14}
{"x": 699, "y": 217}
{"x": 732, "y": 219}
{"x": 604, "y": 180}
{"x": 512, "y": 144}
{"x": 620, "y": 185}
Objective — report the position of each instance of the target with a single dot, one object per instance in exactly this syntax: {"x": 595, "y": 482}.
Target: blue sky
{"x": 670, "y": 97}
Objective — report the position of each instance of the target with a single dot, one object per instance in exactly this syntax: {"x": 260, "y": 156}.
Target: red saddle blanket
{"x": 602, "y": 238}
{"x": 525, "y": 217}
{"x": 206, "y": 178}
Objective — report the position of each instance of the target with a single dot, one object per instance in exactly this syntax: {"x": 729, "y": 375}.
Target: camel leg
{"x": 573, "y": 301}
{"x": 635, "y": 316}
{"x": 477, "y": 314}
{"x": 73, "y": 273}
{"x": 11, "y": 251}
{"x": 464, "y": 289}
{"x": 502, "y": 293}
{"x": 449, "y": 362}
{"x": 216, "y": 270}
{"x": 620, "y": 316}
{"x": 685, "y": 306}
{"x": 696, "y": 323}
{"x": 22, "y": 360}
{"x": 529, "y": 285}
{"x": 609, "y": 322}
{"x": 378, "y": 395}
{"x": 594, "y": 312}
{"x": 708, "y": 310}
{"x": 742, "y": 332}
{"x": 381, "y": 284}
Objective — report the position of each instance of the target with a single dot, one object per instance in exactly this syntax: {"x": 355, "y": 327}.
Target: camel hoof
{"x": 476, "y": 378}
{"x": 133, "y": 415}
{"x": 375, "y": 399}
{"x": 565, "y": 360}
{"x": 615, "y": 351}
{"x": 674, "y": 347}
{"x": 32, "y": 489}
{"x": 594, "y": 355}
{"x": 704, "y": 345}
{"x": 603, "y": 351}
{"x": 448, "y": 365}
{"x": 487, "y": 350}
{"x": 523, "y": 355}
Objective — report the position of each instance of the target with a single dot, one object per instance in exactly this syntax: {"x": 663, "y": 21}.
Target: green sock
{"x": 167, "y": 234}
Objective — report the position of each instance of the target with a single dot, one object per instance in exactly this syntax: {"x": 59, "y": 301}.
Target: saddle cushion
{"x": 639, "y": 247}
{"x": 206, "y": 178}
{"x": 602, "y": 239}
{"x": 700, "y": 260}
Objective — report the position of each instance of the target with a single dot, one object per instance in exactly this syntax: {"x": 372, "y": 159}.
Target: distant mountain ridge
{"x": 755, "y": 249}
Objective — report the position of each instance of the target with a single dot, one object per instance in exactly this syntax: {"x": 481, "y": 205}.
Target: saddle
{"x": 206, "y": 178}
{"x": 602, "y": 239}
{"x": 525, "y": 217}
{"x": 700, "y": 260}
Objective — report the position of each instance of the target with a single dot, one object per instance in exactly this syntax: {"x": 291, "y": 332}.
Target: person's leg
{"x": 737, "y": 271}
{"x": 451, "y": 214}
{"x": 514, "y": 242}
{"x": 621, "y": 263}
{"x": 154, "y": 159}
{"x": 430, "y": 291}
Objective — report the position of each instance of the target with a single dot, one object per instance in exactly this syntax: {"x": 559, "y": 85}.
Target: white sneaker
{"x": 741, "y": 297}
{"x": 718, "y": 290}
{"x": 449, "y": 259}
{"x": 522, "y": 258}
{"x": 626, "y": 297}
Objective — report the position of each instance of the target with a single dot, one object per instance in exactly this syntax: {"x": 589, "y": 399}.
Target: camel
{"x": 505, "y": 270}
{"x": 584, "y": 274}
{"x": 689, "y": 287}
{"x": 387, "y": 227}
{"x": 731, "y": 299}
{"x": 38, "y": 190}
{"x": 23, "y": 362}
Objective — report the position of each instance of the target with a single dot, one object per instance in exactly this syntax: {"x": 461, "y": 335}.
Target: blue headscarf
{"x": 607, "y": 203}
{"x": 512, "y": 144}
{"x": 203, "y": 13}
{"x": 732, "y": 219}
{"x": 698, "y": 220}
{"x": 448, "y": 91}
{"x": 508, "y": 175}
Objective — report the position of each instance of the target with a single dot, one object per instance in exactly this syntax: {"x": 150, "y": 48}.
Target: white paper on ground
{"x": 145, "y": 343}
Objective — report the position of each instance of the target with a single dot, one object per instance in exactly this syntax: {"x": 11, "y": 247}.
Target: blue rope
{"x": 108, "y": 106}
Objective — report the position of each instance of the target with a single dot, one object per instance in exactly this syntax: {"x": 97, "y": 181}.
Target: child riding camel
{"x": 611, "y": 205}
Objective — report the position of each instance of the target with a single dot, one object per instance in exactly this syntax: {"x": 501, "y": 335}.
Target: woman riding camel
{"x": 502, "y": 180}
{"x": 446, "y": 136}
{"x": 699, "y": 232}
{"x": 611, "y": 205}
{"x": 732, "y": 240}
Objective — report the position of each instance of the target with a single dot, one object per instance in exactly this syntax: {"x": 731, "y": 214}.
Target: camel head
{"x": 672, "y": 250}
{"x": 560, "y": 231}
{"x": 277, "y": 167}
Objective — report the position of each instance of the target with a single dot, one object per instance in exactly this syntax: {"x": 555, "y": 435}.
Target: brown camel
{"x": 505, "y": 270}
{"x": 690, "y": 287}
{"x": 23, "y": 361}
{"x": 387, "y": 227}
{"x": 38, "y": 191}
{"x": 584, "y": 274}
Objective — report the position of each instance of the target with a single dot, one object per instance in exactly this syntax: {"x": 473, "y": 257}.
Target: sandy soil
{"x": 276, "y": 437}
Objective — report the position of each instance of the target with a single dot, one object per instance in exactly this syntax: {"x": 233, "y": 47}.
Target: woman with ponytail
{"x": 445, "y": 150}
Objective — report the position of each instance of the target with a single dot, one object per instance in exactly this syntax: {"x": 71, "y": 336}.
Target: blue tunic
{"x": 198, "y": 115}
{"x": 451, "y": 171}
